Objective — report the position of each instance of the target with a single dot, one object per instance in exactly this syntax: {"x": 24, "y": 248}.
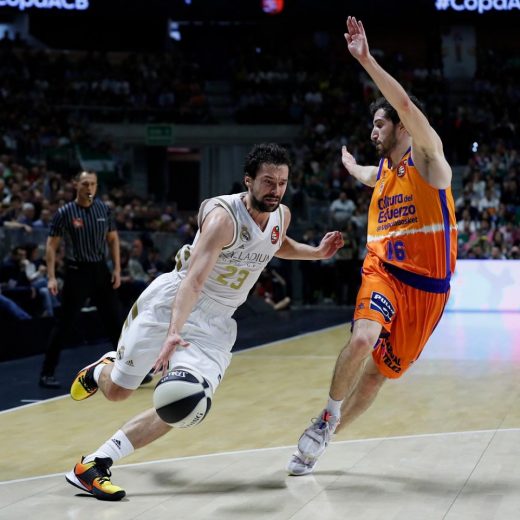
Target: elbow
{"x": 406, "y": 105}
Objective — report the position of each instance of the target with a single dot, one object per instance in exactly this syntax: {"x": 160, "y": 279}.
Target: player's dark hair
{"x": 390, "y": 111}
{"x": 265, "y": 153}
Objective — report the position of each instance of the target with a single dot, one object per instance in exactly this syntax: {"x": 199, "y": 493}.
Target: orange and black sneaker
{"x": 94, "y": 478}
{"x": 84, "y": 385}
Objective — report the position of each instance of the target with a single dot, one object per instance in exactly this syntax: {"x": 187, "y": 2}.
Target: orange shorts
{"x": 408, "y": 316}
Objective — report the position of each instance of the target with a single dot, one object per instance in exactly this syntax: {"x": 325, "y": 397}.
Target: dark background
{"x": 142, "y": 25}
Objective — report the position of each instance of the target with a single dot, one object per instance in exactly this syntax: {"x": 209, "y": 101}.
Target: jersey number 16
{"x": 395, "y": 250}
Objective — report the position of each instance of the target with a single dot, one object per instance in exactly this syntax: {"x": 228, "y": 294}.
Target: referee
{"x": 87, "y": 224}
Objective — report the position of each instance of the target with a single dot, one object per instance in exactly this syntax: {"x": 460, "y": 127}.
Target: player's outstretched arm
{"x": 426, "y": 142}
{"x": 293, "y": 250}
{"x": 365, "y": 174}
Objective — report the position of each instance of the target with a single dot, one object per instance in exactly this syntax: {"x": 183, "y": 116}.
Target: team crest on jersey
{"x": 77, "y": 222}
{"x": 401, "y": 170}
{"x": 245, "y": 236}
{"x": 275, "y": 235}
{"x": 120, "y": 352}
{"x": 380, "y": 303}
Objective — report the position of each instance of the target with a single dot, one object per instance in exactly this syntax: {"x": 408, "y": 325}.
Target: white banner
{"x": 485, "y": 285}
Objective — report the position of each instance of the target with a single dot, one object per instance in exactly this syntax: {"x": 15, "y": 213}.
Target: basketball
{"x": 182, "y": 399}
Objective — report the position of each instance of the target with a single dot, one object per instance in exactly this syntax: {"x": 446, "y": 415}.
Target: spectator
{"x": 489, "y": 201}
{"x": 272, "y": 288}
{"x": 44, "y": 221}
{"x": 311, "y": 271}
{"x": 27, "y": 215}
{"x": 14, "y": 282}
{"x": 36, "y": 272}
{"x": 133, "y": 277}
{"x": 341, "y": 209}
{"x": 10, "y": 309}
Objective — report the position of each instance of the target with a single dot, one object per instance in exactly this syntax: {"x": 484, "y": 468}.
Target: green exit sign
{"x": 159, "y": 135}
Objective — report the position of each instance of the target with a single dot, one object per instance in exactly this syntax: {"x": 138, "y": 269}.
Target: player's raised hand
{"x": 347, "y": 158}
{"x": 356, "y": 39}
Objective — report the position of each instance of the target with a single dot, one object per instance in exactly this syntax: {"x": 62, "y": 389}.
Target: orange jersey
{"x": 412, "y": 227}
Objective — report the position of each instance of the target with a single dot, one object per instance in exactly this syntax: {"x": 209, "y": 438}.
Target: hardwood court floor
{"x": 442, "y": 442}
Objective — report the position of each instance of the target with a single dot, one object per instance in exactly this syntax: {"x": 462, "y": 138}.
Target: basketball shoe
{"x": 94, "y": 478}
{"x": 84, "y": 385}
{"x": 312, "y": 444}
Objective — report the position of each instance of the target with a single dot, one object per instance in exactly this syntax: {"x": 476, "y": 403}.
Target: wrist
{"x": 366, "y": 60}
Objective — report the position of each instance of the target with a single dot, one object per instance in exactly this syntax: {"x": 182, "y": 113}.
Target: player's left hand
{"x": 356, "y": 39}
{"x": 330, "y": 243}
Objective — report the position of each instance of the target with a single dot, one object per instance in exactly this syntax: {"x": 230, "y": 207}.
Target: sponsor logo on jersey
{"x": 77, "y": 222}
{"x": 380, "y": 303}
{"x": 275, "y": 234}
{"x": 245, "y": 235}
{"x": 401, "y": 170}
{"x": 389, "y": 358}
{"x": 396, "y": 206}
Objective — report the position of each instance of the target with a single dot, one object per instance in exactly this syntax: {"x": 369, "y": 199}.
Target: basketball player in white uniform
{"x": 183, "y": 320}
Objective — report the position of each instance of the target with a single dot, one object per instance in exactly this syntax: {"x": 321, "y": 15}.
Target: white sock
{"x": 117, "y": 447}
{"x": 334, "y": 407}
{"x": 97, "y": 372}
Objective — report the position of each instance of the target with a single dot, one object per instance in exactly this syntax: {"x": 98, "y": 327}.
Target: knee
{"x": 361, "y": 345}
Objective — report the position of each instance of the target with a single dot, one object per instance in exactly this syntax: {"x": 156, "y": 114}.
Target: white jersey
{"x": 241, "y": 262}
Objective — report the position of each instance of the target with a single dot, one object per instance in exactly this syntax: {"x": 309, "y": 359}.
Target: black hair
{"x": 265, "y": 153}
{"x": 390, "y": 111}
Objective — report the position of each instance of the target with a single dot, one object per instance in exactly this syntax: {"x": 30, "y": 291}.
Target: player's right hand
{"x": 168, "y": 348}
{"x": 347, "y": 158}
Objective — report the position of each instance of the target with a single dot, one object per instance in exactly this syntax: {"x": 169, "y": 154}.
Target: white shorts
{"x": 210, "y": 330}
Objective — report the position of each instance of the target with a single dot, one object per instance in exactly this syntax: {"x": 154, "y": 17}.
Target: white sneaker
{"x": 299, "y": 466}
{"x": 312, "y": 444}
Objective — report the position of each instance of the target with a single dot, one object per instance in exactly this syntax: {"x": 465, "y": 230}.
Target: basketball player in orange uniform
{"x": 411, "y": 244}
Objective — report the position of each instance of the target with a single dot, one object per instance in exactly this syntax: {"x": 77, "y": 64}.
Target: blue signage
{"x": 66, "y": 5}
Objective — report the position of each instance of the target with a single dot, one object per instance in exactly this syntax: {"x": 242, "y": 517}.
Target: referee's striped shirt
{"x": 84, "y": 229}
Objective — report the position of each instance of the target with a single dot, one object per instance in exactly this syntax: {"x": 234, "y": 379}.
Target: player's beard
{"x": 385, "y": 149}
{"x": 260, "y": 205}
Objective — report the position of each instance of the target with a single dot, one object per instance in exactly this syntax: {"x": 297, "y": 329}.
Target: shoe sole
{"x": 71, "y": 478}
{"x": 104, "y": 356}
{"x": 293, "y": 472}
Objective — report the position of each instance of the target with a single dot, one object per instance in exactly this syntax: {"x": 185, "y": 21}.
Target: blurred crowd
{"x": 49, "y": 98}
